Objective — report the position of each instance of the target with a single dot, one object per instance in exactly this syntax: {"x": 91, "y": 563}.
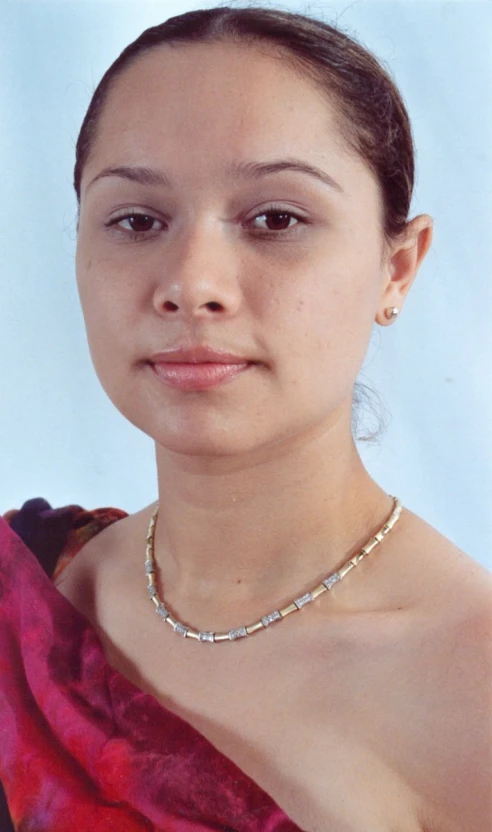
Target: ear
{"x": 402, "y": 262}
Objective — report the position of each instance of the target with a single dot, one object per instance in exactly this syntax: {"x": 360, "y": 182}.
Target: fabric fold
{"x": 81, "y": 747}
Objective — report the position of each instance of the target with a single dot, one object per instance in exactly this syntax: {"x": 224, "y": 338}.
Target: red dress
{"x": 81, "y": 747}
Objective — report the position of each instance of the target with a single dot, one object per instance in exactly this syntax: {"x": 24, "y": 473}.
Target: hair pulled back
{"x": 373, "y": 120}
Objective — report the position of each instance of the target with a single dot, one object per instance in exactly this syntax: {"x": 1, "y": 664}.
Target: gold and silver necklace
{"x": 272, "y": 617}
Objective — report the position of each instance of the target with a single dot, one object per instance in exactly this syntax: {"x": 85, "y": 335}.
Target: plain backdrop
{"x": 60, "y": 437}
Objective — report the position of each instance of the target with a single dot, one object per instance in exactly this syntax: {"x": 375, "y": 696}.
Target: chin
{"x": 218, "y": 430}
{"x": 202, "y": 437}
{"x": 200, "y": 448}
{"x": 248, "y": 444}
{"x": 213, "y": 443}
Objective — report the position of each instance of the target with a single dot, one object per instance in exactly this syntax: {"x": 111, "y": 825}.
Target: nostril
{"x": 213, "y": 306}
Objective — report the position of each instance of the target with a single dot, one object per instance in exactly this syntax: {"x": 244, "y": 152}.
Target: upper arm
{"x": 460, "y": 761}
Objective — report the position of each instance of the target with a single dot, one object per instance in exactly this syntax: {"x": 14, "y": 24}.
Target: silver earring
{"x": 391, "y": 313}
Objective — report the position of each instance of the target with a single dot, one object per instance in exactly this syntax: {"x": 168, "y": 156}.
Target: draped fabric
{"x": 81, "y": 747}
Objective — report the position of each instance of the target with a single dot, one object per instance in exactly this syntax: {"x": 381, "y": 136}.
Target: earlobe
{"x": 388, "y": 316}
{"x": 403, "y": 263}
{"x": 391, "y": 313}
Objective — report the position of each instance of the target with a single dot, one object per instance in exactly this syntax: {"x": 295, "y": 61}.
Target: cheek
{"x": 105, "y": 322}
{"x": 106, "y": 301}
{"x": 327, "y": 306}
{"x": 323, "y": 322}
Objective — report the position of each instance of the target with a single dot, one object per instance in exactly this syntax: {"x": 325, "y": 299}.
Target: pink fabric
{"x": 82, "y": 748}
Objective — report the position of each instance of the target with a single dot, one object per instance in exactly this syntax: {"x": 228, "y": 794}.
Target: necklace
{"x": 276, "y": 615}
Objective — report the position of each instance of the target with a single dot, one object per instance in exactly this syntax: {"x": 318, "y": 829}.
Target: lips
{"x": 198, "y": 368}
{"x": 197, "y": 355}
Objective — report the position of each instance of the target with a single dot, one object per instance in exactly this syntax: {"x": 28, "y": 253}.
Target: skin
{"x": 346, "y": 712}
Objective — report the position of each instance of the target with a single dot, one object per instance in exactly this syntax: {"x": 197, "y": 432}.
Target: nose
{"x": 199, "y": 278}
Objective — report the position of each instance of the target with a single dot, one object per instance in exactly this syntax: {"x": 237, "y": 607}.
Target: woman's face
{"x": 178, "y": 248}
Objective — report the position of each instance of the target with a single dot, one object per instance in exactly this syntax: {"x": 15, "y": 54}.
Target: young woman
{"x": 276, "y": 644}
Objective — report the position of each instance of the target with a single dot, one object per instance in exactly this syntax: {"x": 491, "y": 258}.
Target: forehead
{"x": 192, "y": 107}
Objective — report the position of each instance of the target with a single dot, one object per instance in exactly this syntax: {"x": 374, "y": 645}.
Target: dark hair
{"x": 374, "y": 120}
{"x": 372, "y": 115}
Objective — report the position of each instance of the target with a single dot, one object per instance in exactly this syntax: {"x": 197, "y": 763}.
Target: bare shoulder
{"x": 450, "y": 695}
{"x": 102, "y": 561}
{"x": 456, "y": 709}
{"x": 422, "y": 543}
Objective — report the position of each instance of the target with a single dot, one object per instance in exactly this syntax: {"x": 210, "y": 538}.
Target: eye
{"x": 278, "y": 221}
{"x": 135, "y": 224}
{"x": 139, "y": 225}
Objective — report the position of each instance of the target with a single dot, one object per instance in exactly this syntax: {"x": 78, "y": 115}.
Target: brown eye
{"x": 140, "y": 222}
{"x": 135, "y": 223}
{"x": 277, "y": 222}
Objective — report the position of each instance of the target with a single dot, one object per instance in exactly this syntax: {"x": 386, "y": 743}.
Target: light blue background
{"x": 59, "y": 436}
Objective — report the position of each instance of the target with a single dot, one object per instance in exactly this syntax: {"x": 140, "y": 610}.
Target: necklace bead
{"x": 277, "y": 615}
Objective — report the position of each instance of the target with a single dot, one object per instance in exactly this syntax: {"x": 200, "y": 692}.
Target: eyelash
{"x": 138, "y": 236}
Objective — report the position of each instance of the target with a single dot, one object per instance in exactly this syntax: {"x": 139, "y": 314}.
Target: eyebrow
{"x": 236, "y": 170}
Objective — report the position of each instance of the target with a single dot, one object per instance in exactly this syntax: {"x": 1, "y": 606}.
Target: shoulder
{"x": 450, "y": 692}
{"x": 424, "y": 648}
{"x": 453, "y": 696}
{"x": 55, "y": 535}
{"x": 422, "y": 569}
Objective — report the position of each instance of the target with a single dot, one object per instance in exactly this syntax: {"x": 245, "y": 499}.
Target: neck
{"x": 236, "y": 537}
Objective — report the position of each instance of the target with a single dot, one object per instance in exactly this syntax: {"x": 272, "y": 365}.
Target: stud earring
{"x": 391, "y": 313}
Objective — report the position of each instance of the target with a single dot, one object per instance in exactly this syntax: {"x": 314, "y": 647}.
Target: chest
{"x": 310, "y": 726}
